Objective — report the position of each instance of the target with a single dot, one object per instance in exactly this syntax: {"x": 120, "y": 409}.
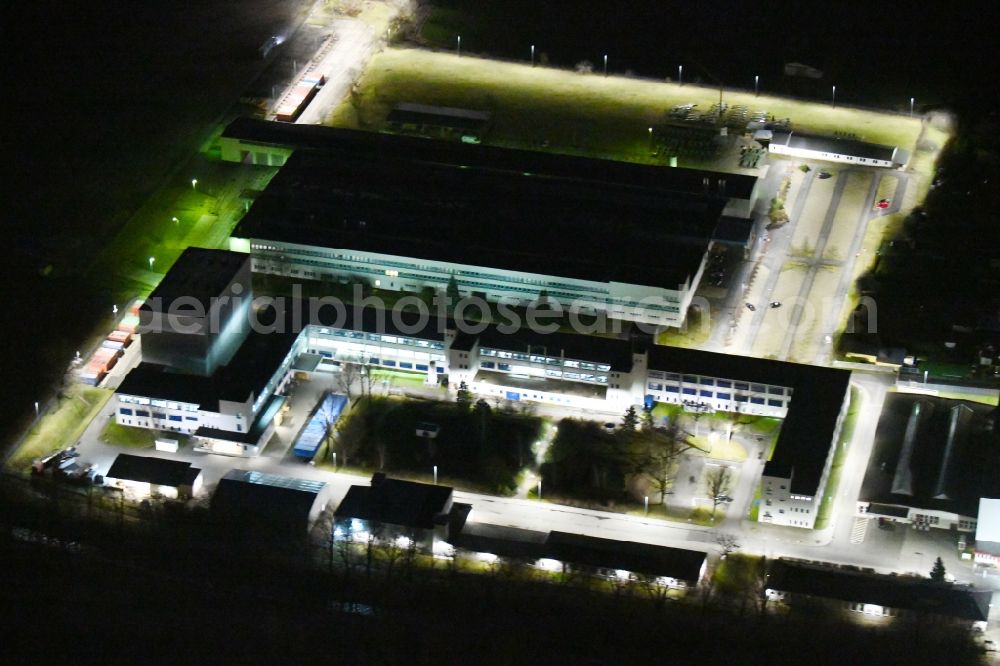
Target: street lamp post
{"x": 36, "y": 409}
{"x": 911, "y": 107}
{"x": 532, "y": 55}
{"x": 194, "y": 183}
{"x": 756, "y": 87}
{"x": 650, "y": 138}
{"x": 645, "y": 505}
{"x": 459, "y": 49}
{"x": 833, "y": 97}
{"x": 151, "y": 260}
{"x": 435, "y": 474}
{"x": 680, "y": 75}
{"x": 605, "y": 64}
{"x": 335, "y": 460}
{"x": 539, "y": 489}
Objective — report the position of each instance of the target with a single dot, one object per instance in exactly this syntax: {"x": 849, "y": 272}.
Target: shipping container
{"x": 298, "y": 98}
{"x": 129, "y": 324}
{"x": 123, "y": 337}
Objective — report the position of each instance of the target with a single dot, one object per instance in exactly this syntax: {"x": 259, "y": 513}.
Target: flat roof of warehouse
{"x": 930, "y": 453}
{"x": 200, "y": 274}
{"x": 349, "y": 143}
{"x": 397, "y": 502}
{"x": 440, "y": 116}
{"x": 519, "y": 221}
{"x": 833, "y": 144}
{"x": 157, "y": 471}
{"x": 915, "y": 594}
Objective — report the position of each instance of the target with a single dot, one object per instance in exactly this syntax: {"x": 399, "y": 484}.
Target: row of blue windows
{"x": 718, "y": 396}
{"x": 719, "y": 383}
{"x": 404, "y": 365}
{"x": 125, "y": 411}
{"x": 375, "y": 337}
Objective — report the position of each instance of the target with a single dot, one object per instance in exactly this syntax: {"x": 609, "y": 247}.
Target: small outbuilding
{"x": 389, "y": 509}
{"x": 146, "y": 476}
{"x": 268, "y": 506}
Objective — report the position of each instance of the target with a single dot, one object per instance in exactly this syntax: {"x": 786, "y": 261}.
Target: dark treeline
{"x": 165, "y": 585}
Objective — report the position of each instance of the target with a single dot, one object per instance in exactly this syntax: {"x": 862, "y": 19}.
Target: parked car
{"x": 775, "y": 304}
{"x": 751, "y": 307}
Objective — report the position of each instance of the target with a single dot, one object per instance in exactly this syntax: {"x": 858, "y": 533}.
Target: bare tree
{"x": 719, "y": 480}
{"x": 351, "y": 432}
{"x": 728, "y": 544}
{"x": 757, "y": 589}
{"x": 392, "y": 551}
{"x": 657, "y": 592}
{"x": 348, "y": 375}
{"x": 345, "y": 551}
{"x": 367, "y": 379}
{"x": 658, "y": 452}
{"x": 620, "y": 585}
{"x": 371, "y": 543}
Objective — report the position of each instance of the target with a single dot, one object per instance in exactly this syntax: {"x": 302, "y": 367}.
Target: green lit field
{"x": 129, "y": 437}
{"x": 576, "y": 113}
{"x": 60, "y": 427}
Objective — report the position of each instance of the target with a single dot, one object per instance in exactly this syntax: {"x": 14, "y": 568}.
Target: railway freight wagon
{"x": 298, "y": 98}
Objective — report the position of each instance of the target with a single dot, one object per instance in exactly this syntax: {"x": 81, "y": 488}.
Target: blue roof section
{"x": 315, "y": 430}
{"x": 264, "y": 479}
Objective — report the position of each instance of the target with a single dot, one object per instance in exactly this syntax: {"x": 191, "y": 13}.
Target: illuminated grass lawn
{"x": 61, "y": 427}
{"x": 128, "y": 436}
{"x": 577, "y": 113}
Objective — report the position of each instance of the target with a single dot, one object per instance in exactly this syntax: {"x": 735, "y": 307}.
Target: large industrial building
{"x": 233, "y": 411}
{"x": 934, "y": 460}
{"x": 407, "y": 214}
{"x": 195, "y": 319}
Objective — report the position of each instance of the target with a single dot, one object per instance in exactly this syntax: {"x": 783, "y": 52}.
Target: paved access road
{"x": 808, "y": 264}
